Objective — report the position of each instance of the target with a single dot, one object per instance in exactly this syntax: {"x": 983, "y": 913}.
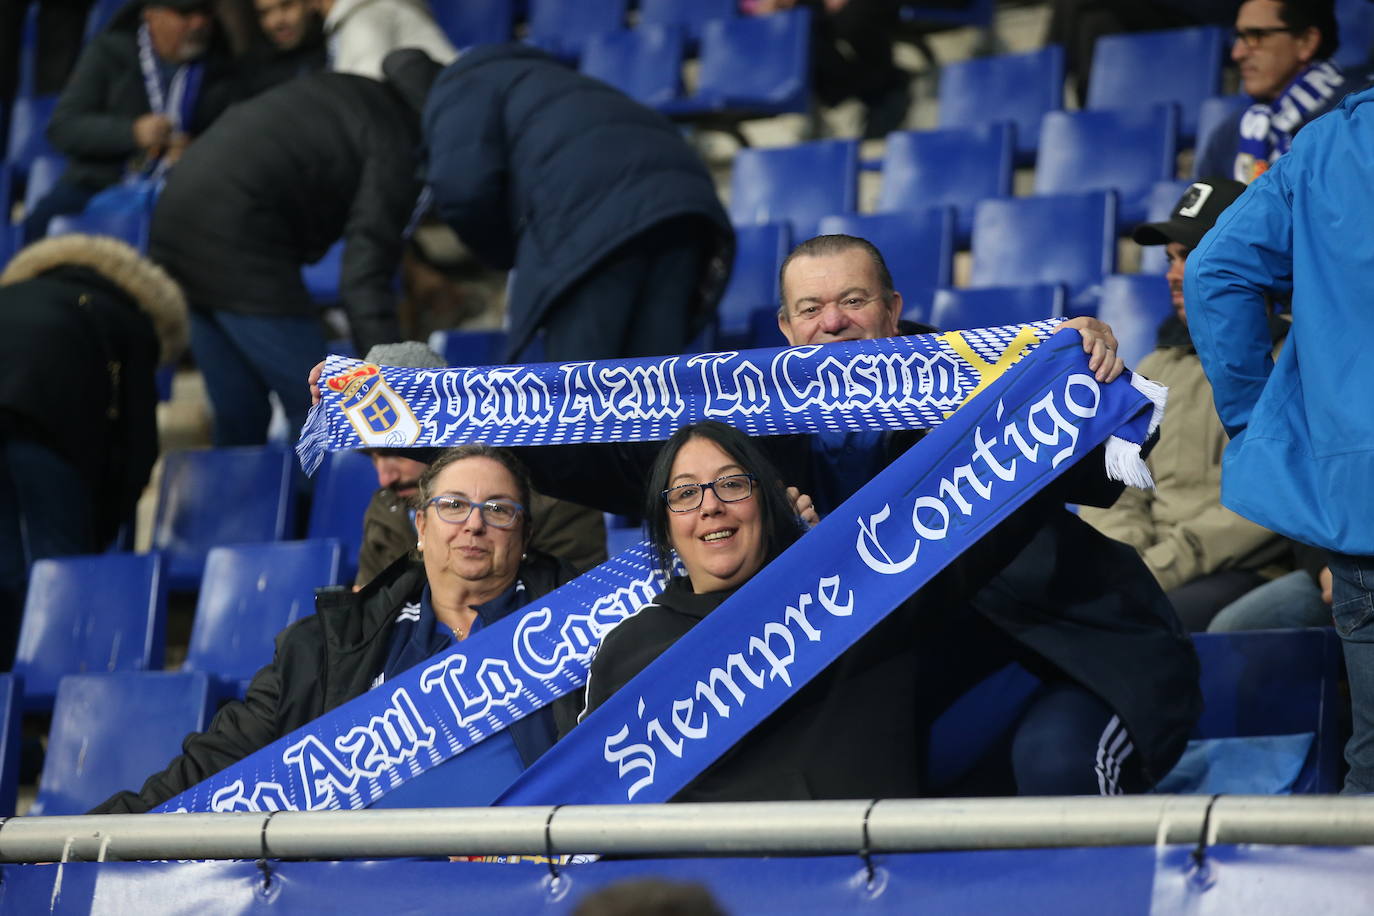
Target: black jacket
{"x": 278, "y": 180}
{"x": 542, "y": 169}
{"x": 92, "y": 124}
{"x": 322, "y": 662}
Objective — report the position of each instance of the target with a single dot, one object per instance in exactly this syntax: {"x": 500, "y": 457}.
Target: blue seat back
{"x": 645, "y": 63}
{"x": 562, "y": 28}
{"x": 1276, "y": 682}
{"x": 1065, "y": 238}
{"x": 43, "y": 172}
{"x": 469, "y": 348}
{"x": 975, "y": 13}
{"x": 343, "y": 489}
{"x": 322, "y": 277}
{"x": 101, "y": 12}
{"x": 250, "y": 593}
{"x": 1127, "y": 151}
{"x": 993, "y": 306}
{"x": 126, "y": 225}
{"x": 28, "y": 139}
{"x": 1158, "y": 205}
{"x": 1182, "y": 66}
{"x": 98, "y": 613}
{"x": 800, "y": 184}
{"x": 475, "y": 22}
{"x": 692, "y": 15}
{"x": 954, "y": 167}
{"x": 1211, "y": 116}
{"x": 1135, "y": 305}
{"x": 210, "y": 497}
{"x": 112, "y": 731}
{"x": 1019, "y": 88}
{"x": 917, "y": 245}
{"x": 753, "y": 287}
{"x": 758, "y": 64}
{"x": 11, "y": 714}
{"x": 1355, "y": 24}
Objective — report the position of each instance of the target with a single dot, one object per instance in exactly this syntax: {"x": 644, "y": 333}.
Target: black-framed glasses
{"x": 728, "y": 489}
{"x": 498, "y": 513}
{"x": 1255, "y": 35}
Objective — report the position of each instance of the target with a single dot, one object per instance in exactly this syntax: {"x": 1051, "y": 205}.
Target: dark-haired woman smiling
{"x": 860, "y": 729}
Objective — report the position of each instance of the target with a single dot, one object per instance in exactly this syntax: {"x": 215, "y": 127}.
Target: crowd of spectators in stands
{"x": 353, "y": 119}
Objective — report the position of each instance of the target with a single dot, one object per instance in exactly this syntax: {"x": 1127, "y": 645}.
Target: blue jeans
{"x": 1292, "y": 600}
{"x": 1352, "y": 606}
{"x": 242, "y": 358}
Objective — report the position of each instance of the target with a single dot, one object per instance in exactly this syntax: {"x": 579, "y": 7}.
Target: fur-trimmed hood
{"x": 155, "y": 292}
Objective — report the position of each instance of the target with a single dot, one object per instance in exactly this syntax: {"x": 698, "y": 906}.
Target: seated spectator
{"x": 1204, "y": 555}
{"x": 611, "y": 221}
{"x": 155, "y": 78}
{"x": 267, "y": 190}
{"x": 831, "y": 738}
{"x": 84, "y": 323}
{"x": 1282, "y": 48}
{"x": 474, "y": 537}
{"x": 360, "y": 33}
{"x": 289, "y": 43}
{"x": 1301, "y": 598}
{"x": 562, "y": 529}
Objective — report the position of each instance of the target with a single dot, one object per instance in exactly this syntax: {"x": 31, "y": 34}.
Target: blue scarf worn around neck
{"x": 1029, "y": 422}
{"x": 1267, "y": 129}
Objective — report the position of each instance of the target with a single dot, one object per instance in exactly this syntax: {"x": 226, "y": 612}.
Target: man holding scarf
{"x": 155, "y": 78}
{"x": 1282, "y": 48}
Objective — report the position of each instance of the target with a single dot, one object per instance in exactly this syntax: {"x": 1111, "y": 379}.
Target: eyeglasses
{"x": 1254, "y": 36}
{"x": 728, "y": 489}
{"x": 499, "y": 513}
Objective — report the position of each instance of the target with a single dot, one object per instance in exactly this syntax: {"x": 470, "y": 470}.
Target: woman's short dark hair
{"x": 502, "y": 456}
{"x": 780, "y": 525}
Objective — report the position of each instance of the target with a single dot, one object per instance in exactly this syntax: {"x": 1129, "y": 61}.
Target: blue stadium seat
{"x": 102, "y": 11}
{"x": 475, "y": 22}
{"x": 1276, "y": 682}
{"x": 98, "y": 613}
{"x": 618, "y": 539}
{"x": 1135, "y": 305}
{"x": 918, "y": 247}
{"x": 644, "y": 63}
{"x": 1020, "y": 88}
{"x": 322, "y": 278}
{"x": 111, "y": 731}
{"x": 1211, "y": 115}
{"x": 692, "y": 15}
{"x": 250, "y": 593}
{"x": 469, "y": 348}
{"x": 1355, "y": 23}
{"x": 126, "y": 225}
{"x": 1158, "y": 205}
{"x": 28, "y": 53}
{"x": 800, "y": 184}
{"x": 975, "y": 13}
{"x": 562, "y": 28}
{"x": 992, "y": 306}
{"x": 210, "y": 497}
{"x": 1126, "y": 151}
{"x": 11, "y": 714}
{"x": 751, "y": 66}
{"x": 753, "y": 287}
{"x": 1066, "y": 238}
{"x": 28, "y": 138}
{"x": 343, "y": 490}
{"x": 42, "y": 174}
{"x": 1137, "y": 69}
{"x": 956, "y": 166}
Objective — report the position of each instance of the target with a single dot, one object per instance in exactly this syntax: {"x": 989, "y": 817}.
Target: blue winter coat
{"x": 539, "y": 168}
{"x": 1301, "y": 457}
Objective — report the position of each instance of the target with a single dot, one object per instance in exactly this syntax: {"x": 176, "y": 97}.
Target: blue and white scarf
{"x": 1267, "y": 129}
{"x": 1033, "y": 421}
{"x": 177, "y": 100}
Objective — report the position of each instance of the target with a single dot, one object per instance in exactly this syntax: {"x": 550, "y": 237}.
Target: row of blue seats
{"x": 109, "y": 731}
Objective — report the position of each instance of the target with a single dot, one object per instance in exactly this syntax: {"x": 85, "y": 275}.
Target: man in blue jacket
{"x": 1301, "y": 457}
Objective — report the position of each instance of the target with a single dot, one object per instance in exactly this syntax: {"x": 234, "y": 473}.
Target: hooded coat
{"x": 546, "y": 171}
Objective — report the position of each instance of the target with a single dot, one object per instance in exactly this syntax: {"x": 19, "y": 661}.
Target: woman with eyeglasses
{"x": 963, "y": 689}
{"x": 473, "y": 568}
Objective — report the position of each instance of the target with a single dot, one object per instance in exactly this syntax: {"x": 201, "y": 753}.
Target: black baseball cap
{"x": 1196, "y": 212}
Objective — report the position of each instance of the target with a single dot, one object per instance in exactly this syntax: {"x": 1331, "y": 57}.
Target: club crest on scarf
{"x": 373, "y": 409}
